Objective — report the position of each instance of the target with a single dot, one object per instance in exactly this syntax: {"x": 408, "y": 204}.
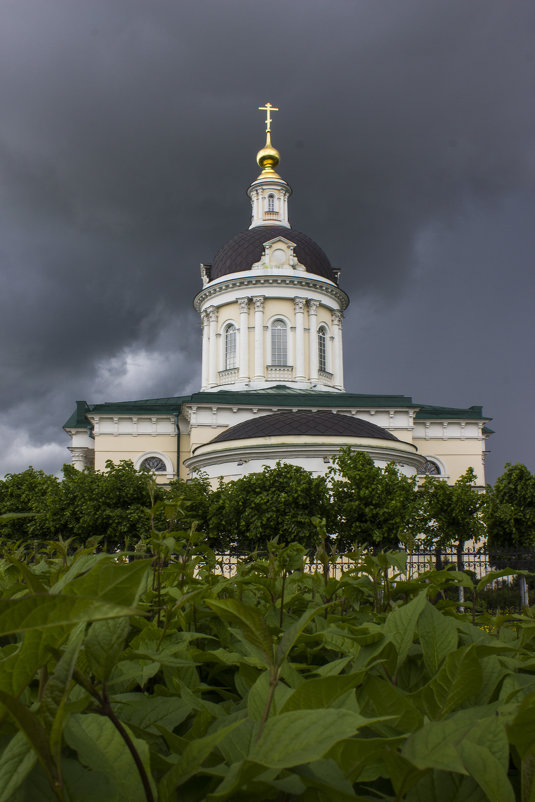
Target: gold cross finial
{"x": 268, "y": 108}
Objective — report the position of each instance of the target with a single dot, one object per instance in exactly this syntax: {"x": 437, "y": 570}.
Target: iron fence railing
{"x": 477, "y": 561}
{"x": 504, "y": 594}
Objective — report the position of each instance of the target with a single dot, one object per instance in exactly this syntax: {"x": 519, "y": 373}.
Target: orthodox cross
{"x": 268, "y": 108}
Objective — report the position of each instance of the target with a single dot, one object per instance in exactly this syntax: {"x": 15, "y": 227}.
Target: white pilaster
{"x": 259, "y": 366}
{"x": 313, "y": 339}
{"x": 205, "y": 348}
{"x": 244, "y": 338}
{"x": 299, "y": 308}
{"x": 212, "y": 369}
{"x": 337, "y": 347}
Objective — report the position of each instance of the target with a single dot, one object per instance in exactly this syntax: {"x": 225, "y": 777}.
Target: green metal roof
{"x": 429, "y": 412}
{"x": 280, "y": 395}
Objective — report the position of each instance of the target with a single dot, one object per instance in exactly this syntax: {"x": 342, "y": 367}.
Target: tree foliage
{"x": 370, "y": 505}
{"x": 510, "y": 509}
{"x": 283, "y": 502}
{"x": 451, "y": 514}
{"x": 111, "y": 505}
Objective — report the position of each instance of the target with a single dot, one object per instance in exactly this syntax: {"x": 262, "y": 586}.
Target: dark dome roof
{"x": 330, "y": 424}
{"x": 246, "y": 248}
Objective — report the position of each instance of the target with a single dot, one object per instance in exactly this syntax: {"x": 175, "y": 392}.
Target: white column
{"x": 205, "y": 347}
{"x": 212, "y": 369}
{"x": 244, "y": 338}
{"x": 313, "y": 339}
{"x": 337, "y": 347}
{"x": 80, "y": 457}
{"x": 299, "y": 308}
{"x": 259, "y": 367}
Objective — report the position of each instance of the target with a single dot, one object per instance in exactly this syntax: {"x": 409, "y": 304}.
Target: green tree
{"x": 510, "y": 509}
{"x": 371, "y": 506}
{"x": 280, "y": 502}
{"x": 113, "y": 504}
{"x": 452, "y": 513}
{"x": 192, "y": 501}
{"x": 28, "y": 492}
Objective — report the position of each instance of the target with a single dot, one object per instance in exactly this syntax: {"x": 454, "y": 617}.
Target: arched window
{"x": 279, "y": 343}
{"x": 322, "y": 348}
{"x": 429, "y": 468}
{"x": 230, "y": 346}
{"x": 271, "y": 203}
{"x": 154, "y": 464}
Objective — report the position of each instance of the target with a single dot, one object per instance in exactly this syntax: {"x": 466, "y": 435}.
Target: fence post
{"x": 523, "y": 588}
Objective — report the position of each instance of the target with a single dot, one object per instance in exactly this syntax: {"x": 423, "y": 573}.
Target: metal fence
{"x": 477, "y": 561}
{"x": 502, "y": 594}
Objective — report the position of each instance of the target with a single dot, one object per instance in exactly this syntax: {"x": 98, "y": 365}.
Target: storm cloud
{"x": 128, "y": 136}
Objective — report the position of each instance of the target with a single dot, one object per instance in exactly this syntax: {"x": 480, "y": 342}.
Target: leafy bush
{"x": 159, "y": 679}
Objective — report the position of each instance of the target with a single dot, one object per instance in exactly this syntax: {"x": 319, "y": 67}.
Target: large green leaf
{"x": 302, "y": 736}
{"x": 487, "y": 771}
{"x": 443, "y": 786}
{"x": 28, "y": 723}
{"x": 459, "y": 679}
{"x": 20, "y": 667}
{"x": 146, "y": 712}
{"x": 80, "y": 565}
{"x": 321, "y": 691}
{"x": 472, "y": 742}
{"x": 381, "y": 697}
{"x": 521, "y": 730}
{"x": 328, "y": 778}
{"x": 103, "y": 645}
{"x": 258, "y": 696}
{"x": 16, "y": 762}
{"x": 250, "y": 621}
{"x": 291, "y": 635}
{"x": 363, "y": 758}
{"x": 116, "y": 582}
{"x": 192, "y": 758}
{"x": 56, "y": 690}
{"x": 38, "y": 612}
{"x": 400, "y": 626}
{"x": 438, "y": 637}
{"x": 101, "y": 748}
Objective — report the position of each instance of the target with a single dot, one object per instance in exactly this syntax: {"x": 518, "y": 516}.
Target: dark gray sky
{"x": 128, "y": 135}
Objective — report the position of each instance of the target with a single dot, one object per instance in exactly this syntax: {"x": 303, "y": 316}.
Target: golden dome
{"x": 268, "y": 157}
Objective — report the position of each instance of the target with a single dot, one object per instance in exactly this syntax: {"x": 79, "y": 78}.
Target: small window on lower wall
{"x": 429, "y": 468}
{"x": 154, "y": 464}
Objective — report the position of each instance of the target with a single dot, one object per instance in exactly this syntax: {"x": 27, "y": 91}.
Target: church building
{"x": 271, "y": 312}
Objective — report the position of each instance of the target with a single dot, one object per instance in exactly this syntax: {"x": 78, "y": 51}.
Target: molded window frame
{"x": 169, "y": 472}
{"x": 324, "y": 364}
{"x": 230, "y": 345}
{"x": 270, "y": 344}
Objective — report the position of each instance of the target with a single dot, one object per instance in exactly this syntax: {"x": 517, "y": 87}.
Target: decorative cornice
{"x": 250, "y": 282}
{"x": 292, "y": 451}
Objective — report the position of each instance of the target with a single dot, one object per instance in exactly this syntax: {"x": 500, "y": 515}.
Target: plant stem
{"x": 273, "y": 680}
{"x": 282, "y": 598}
{"x": 105, "y": 709}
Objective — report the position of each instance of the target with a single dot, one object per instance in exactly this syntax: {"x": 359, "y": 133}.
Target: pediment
{"x": 279, "y": 254}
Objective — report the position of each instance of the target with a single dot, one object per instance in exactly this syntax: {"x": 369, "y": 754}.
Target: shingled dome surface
{"x": 242, "y": 251}
{"x": 313, "y": 424}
